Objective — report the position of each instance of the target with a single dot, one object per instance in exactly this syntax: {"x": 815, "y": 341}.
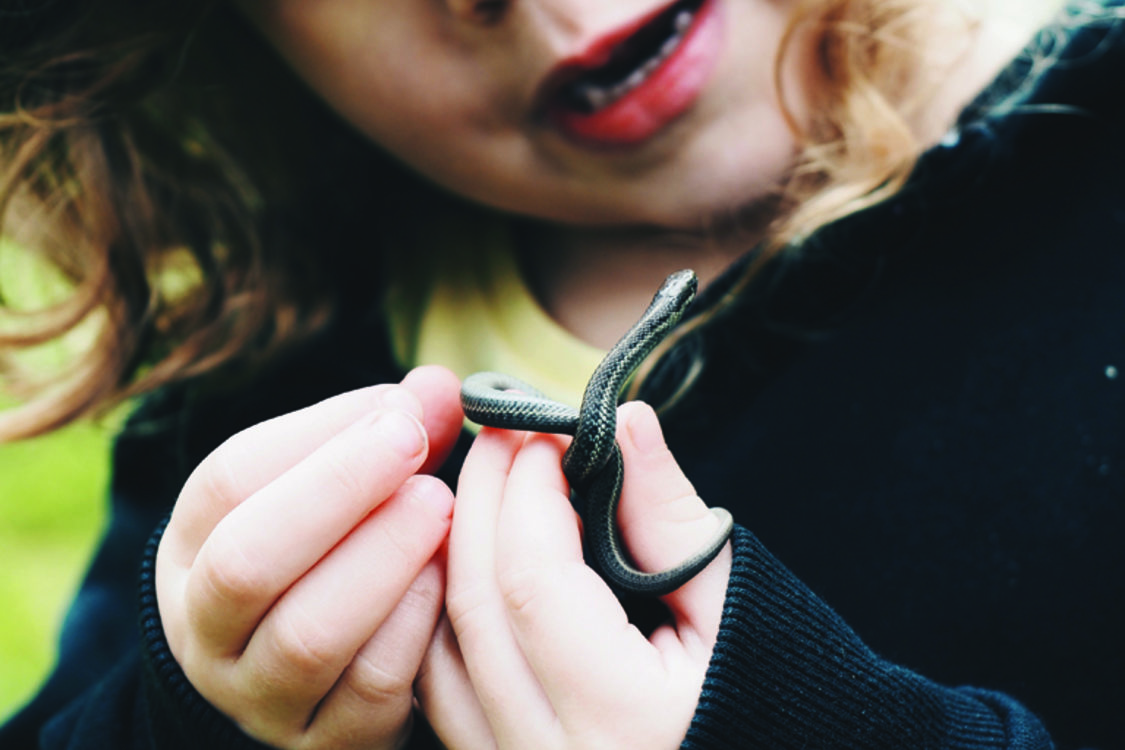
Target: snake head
{"x": 679, "y": 289}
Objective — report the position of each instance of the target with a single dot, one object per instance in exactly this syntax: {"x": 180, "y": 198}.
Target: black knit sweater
{"x": 919, "y": 415}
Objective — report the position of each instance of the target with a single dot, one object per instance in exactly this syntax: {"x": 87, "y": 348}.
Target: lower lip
{"x": 664, "y": 96}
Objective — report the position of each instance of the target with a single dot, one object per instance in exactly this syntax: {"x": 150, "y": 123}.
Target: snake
{"x": 593, "y": 464}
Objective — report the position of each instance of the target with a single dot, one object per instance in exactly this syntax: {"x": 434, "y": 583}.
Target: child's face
{"x": 513, "y": 110}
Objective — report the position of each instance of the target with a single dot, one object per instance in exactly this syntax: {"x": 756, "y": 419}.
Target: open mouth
{"x": 632, "y": 62}
{"x": 635, "y": 81}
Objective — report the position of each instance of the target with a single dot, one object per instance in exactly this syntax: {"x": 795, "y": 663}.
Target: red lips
{"x": 649, "y": 100}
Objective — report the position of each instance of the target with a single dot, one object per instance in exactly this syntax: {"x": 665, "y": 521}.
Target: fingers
{"x": 547, "y": 655}
{"x": 269, "y": 541}
{"x": 664, "y": 522}
{"x": 571, "y": 629}
{"x": 501, "y": 678}
{"x": 372, "y": 700}
{"x": 337, "y": 653}
{"x": 250, "y": 460}
{"x": 315, "y": 630}
{"x": 292, "y": 564}
{"x": 549, "y": 651}
{"x": 253, "y": 458}
{"x": 446, "y": 695}
{"x": 439, "y": 391}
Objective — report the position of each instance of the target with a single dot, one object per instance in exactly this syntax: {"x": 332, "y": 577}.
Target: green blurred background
{"x": 52, "y": 507}
{"x": 52, "y": 493}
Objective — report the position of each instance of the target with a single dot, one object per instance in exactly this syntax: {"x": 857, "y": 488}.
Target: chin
{"x": 710, "y": 199}
{"x": 724, "y": 177}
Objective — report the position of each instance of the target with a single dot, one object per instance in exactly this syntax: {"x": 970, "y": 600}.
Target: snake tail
{"x": 608, "y": 551}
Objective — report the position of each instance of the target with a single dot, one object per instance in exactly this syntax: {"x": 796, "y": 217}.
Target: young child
{"x": 900, "y": 375}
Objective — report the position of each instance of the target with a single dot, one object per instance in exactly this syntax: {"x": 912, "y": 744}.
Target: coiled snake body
{"x": 592, "y": 464}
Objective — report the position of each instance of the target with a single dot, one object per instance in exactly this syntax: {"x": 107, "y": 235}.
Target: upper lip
{"x": 596, "y": 54}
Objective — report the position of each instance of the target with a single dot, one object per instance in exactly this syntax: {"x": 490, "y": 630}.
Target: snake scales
{"x": 592, "y": 464}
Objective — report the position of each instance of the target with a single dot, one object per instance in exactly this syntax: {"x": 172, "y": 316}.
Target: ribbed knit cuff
{"x": 788, "y": 672}
{"x": 179, "y": 716}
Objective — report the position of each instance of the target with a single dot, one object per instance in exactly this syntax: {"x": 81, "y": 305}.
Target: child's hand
{"x": 297, "y": 578}
{"x": 536, "y": 651}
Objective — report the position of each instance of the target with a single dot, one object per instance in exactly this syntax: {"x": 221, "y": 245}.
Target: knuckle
{"x": 663, "y": 455}
{"x": 224, "y": 575}
{"x": 377, "y": 686}
{"x": 687, "y": 509}
{"x": 424, "y": 596}
{"x": 466, "y": 607}
{"x": 220, "y": 475}
{"x": 521, "y": 588}
{"x": 305, "y": 646}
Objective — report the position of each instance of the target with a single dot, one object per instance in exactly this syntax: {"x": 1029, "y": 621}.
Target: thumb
{"x": 439, "y": 390}
{"x": 664, "y": 522}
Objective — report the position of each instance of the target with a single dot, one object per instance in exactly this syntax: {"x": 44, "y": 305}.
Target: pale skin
{"x": 316, "y": 627}
{"x": 315, "y": 583}
{"x": 298, "y": 580}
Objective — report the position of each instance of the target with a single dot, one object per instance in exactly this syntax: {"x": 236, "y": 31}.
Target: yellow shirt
{"x": 466, "y": 306}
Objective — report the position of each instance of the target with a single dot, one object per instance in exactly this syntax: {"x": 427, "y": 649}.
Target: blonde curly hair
{"x": 147, "y": 158}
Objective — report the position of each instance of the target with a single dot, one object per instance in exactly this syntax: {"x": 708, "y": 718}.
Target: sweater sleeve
{"x": 179, "y": 716}
{"x": 788, "y": 672}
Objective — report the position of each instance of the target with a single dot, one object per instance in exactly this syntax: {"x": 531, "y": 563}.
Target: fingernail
{"x": 644, "y": 429}
{"x": 401, "y": 431}
{"x": 397, "y": 397}
{"x": 433, "y": 493}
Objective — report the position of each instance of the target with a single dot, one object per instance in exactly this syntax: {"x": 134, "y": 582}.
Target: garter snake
{"x": 592, "y": 464}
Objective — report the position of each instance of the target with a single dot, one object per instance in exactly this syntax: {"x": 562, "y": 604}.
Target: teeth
{"x": 598, "y": 97}
{"x": 595, "y": 97}
{"x": 671, "y": 44}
